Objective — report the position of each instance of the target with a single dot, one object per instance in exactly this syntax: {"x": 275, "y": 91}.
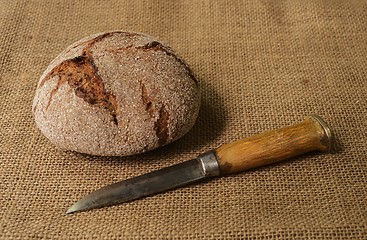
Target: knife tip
{"x": 73, "y": 209}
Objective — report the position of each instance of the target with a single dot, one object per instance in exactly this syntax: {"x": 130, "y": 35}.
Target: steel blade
{"x": 142, "y": 186}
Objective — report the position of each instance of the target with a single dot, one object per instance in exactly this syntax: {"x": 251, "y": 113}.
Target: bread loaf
{"x": 116, "y": 94}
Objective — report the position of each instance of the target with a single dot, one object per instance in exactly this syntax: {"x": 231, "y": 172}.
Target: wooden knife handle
{"x": 274, "y": 146}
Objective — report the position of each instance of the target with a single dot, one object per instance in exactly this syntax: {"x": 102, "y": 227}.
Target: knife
{"x": 255, "y": 151}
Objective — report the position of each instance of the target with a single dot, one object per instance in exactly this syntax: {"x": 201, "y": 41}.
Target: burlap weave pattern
{"x": 261, "y": 65}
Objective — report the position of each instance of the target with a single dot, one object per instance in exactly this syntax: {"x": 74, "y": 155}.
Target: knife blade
{"x": 255, "y": 151}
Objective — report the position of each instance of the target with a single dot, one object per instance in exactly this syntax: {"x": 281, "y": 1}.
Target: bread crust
{"x": 116, "y": 94}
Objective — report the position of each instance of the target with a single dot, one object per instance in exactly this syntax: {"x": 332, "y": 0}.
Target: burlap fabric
{"x": 261, "y": 65}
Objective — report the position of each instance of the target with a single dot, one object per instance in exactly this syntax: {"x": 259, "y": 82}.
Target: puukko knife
{"x": 255, "y": 151}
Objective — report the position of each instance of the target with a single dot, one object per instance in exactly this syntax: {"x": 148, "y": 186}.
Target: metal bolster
{"x": 209, "y": 164}
{"x": 328, "y": 138}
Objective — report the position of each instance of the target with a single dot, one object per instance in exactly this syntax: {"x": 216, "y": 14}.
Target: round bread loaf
{"x": 116, "y": 94}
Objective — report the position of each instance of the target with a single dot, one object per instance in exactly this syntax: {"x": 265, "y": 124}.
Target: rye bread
{"x": 116, "y": 94}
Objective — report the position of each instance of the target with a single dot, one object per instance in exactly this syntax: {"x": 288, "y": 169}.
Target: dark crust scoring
{"x": 161, "y": 126}
{"x": 82, "y": 75}
{"x": 157, "y": 46}
{"x": 147, "y": 101}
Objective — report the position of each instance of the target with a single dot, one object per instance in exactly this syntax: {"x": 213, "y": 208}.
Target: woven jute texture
{"x": 261, "y": 65}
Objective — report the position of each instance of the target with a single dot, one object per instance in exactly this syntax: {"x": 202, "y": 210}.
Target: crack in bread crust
{"x": 157, "y": 46}
{"x": 82, "y": 75}
{"x": 161, "y": 126}
{"x": 147, "y": 101}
